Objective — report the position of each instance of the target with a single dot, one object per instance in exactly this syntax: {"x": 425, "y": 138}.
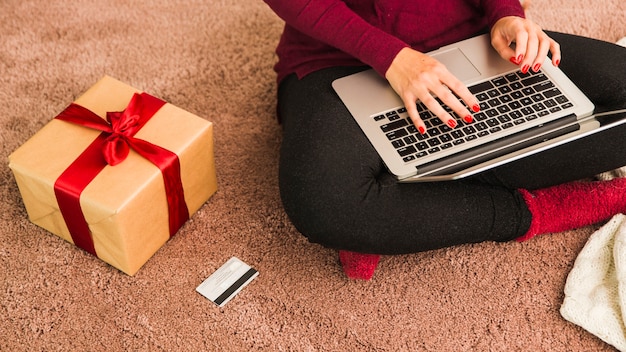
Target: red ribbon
{"x": 112, "y": 147}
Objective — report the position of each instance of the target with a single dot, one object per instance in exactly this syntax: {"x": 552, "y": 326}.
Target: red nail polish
{"x": 468, "y": 119}
{"x": 517, "y": 60}
{"x": 476, "y": 108}
{"x": 536, "y": 67}
{"x": 557, "y": 62}
{"x": 451, "y": 123}
{"x": 525, "y": 68}
{"x": 421, "y": 129}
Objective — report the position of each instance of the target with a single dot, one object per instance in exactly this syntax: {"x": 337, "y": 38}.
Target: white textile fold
{"x": 595, "y": 290}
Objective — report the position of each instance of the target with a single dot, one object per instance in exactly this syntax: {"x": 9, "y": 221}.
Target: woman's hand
{"x": 416, "y": 76}
{"x": 532, "y": 44}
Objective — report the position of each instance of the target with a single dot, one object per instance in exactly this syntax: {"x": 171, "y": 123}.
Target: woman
{"x": 334, "y": 186}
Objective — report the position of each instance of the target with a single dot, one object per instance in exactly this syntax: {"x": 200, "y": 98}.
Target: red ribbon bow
{"x": 112, "y": 147}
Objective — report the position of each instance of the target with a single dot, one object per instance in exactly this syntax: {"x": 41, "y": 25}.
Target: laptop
{"x": 520, "y": 114}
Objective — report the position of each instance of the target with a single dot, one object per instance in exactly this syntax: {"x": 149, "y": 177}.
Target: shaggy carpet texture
{"x": 214, "y": 58}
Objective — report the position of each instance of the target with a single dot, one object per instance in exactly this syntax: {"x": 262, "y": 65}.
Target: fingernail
{"x": 421, "y": 129}
{"x": 468, "y": 119}
{"x": 525, "y": 68}
{"x": 476, "y": 108}
{"x": 517, "y": 60}
{"x": 557, "y": 62}
{"x": 536, "y": 67}
{"x": 451, "y": 123}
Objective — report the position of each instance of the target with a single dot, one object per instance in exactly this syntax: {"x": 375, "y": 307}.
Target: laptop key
{"x": 550, "y": 103}
{"x": 481, "y": 126}
{"x": 530, "y": 81}
{"x": 397, "y": 134}
{"x": 555, "y": 109}
{"x": 480, "y": 116}
{"x": 516, "y": 114}
{"x": 410, "y": 139}
{"x": 493, "y": 93}
{"x": 482, "y": 96}
{"x": 407, "y": 150}
{"x": 480, "y": 87}
{"x": 505, "y": 118}
{"x": 433, "y": 150}
{"x": 458, "y": 141}
{"x": 500, "y": 81}
{"x": 445, "y": 138}
{"x": 433, "y": 142}
{"x": 388, "y": 127}
{"x": 539, "y": 107}
{"x": 503, "y": 109}
{"x": 543, "y": 86}
{"x": 492, "y": 122}
{"x": 537, "y": 97}
{"x": 517, "y": 85}
{"x": 456, "y": 134}
{"x": 562, "y": 99}
{"x": 492, "y": 112}
{"x": 398, "y": 143}
{"x": 494, "y": 102}
{"x": 512, "y": 77}
{"x": 551, "y": 93}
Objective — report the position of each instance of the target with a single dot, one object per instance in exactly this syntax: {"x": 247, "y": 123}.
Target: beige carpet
{"x": 214, "y": 58}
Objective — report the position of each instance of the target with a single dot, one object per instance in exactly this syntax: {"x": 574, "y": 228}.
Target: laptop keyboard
{"x": 507, "y": 101}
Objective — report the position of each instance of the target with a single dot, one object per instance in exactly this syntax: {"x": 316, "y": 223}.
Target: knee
{"x": 334, "y": 217}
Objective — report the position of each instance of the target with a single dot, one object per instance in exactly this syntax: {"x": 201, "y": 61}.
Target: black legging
{"x": 337, "y": 192}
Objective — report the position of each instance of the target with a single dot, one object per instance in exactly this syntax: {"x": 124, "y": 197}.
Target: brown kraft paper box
{"x": 125, "y": 206}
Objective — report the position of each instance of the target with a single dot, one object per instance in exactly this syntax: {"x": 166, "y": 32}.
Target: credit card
{"x": 227, "y": 281}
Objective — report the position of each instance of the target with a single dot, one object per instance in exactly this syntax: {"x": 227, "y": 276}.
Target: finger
{"x": 431, "y": 103}
{"x": 521, "y": 46}
{"x": 411, "y": 109}
{"x": 555, "y": 49}
{"x": 462, "y": 92}
{"x": 532, "y": 48}
{"x": 544, "y": 47}
{"x": 455, "y": 104}
{"x": 503, "y": 47}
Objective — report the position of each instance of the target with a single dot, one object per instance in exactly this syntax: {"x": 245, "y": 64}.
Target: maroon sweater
{"x": 324, "y": 33}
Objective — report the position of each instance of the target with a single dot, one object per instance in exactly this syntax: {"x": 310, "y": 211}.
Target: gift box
{"x": 117, "y": 173}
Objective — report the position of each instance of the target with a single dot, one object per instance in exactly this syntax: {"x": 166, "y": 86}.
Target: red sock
{"x": 573, "y": 205}
{"x": 358, "y": 265}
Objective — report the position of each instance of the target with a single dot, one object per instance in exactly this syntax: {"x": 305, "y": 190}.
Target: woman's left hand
{"x": 532, "y": 44}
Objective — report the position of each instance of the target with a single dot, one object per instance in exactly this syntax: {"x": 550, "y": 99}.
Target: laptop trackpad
{"x": 456, "y": 62}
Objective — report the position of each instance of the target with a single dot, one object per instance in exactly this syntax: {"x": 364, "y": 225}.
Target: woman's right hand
{"x": 417, "y": 76}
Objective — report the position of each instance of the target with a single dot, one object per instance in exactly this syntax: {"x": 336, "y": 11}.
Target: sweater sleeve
{"x": 497, "y": 9}
{"x": 334, "y": 23}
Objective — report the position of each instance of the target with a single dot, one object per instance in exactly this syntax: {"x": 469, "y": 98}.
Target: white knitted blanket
{"x": 595, "y": 290}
